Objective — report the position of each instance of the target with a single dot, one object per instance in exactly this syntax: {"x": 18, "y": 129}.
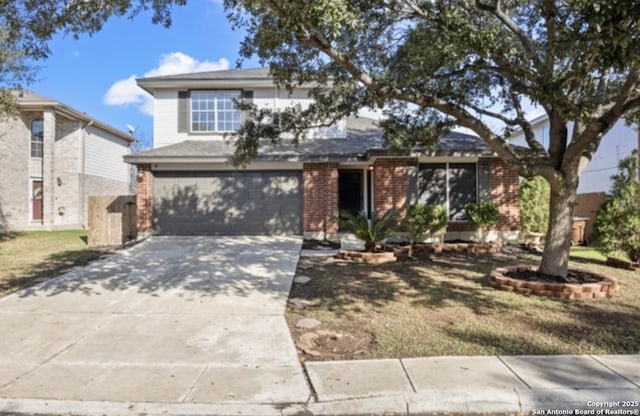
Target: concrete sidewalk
{"x": 601, "y": 384}
{"x": 505, "y": 384}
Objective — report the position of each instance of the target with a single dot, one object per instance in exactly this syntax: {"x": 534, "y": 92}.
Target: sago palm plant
{"x": 371, "y": 231}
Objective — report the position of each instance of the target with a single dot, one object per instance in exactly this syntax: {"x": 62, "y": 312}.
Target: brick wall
{"x": 15, "y": 186}
{"x": 320, "y": 197}
{"x": 68, "y": 208}
{"x": 505, "y": 193}
{"x": 144, "y": 198}
{"x": 390, "y": 184}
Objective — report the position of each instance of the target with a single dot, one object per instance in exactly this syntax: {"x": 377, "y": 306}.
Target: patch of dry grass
{"x": 29, "y": 257}
{"x": 443, "y": 306}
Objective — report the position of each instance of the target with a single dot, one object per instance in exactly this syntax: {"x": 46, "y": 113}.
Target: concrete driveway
{"x": 173, "y": 320}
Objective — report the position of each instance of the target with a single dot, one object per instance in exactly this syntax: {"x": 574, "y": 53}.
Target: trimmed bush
{"x": 483, "y": 216}
{"x": 534, "y": 205}
{"x": 422, "y": 219}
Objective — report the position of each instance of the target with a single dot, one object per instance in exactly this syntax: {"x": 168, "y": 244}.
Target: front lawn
{"x": 28, "y": 257}
{"x": 443, "y": 306}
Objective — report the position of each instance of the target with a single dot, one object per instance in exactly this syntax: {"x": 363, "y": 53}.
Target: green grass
{"x": 595, "y": 255}
{"x": 27, "y": 257}
{"x": 589, "y": 254}
{"x": 443, "y": 306}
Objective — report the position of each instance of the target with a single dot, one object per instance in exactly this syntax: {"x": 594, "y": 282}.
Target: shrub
{"x": 422, "y": 219}
{"x": 617, "y": 226}
{"x": 371, "y": 231}
{"x": 534, "y": 205}
{"x": 483, "y": 216}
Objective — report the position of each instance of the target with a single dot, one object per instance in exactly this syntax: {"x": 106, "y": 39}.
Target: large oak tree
{"x": 437, "y": 63}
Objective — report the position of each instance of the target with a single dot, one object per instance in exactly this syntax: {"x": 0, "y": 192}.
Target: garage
{"x": 227, "y": 203}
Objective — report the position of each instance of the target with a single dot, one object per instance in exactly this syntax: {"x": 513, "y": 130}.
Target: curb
{"x": 478, "y": 401}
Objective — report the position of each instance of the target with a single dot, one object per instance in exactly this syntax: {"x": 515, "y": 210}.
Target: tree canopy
{"x": 27, "y": 26}
{"x": 432, "y": 64}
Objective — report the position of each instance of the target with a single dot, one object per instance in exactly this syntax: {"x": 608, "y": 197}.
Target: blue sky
{"x": 95, "y": 74}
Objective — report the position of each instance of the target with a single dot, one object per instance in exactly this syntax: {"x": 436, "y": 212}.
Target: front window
{"x": 37, "y": 135}
{"x": 453, "y": 185}
{"x": 214, "y": 111}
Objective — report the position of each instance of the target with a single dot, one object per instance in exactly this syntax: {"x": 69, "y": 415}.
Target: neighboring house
{"x": 186, "y": 186}
{"x": 54, "y": 158}
{"x": 617, "y": 144}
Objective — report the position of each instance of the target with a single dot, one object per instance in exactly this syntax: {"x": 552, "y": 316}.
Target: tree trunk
{"x": 555, "y": 257}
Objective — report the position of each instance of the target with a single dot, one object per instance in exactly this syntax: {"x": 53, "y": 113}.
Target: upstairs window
{"x": 214, "y": 111}
{"x": 37, "y": 136}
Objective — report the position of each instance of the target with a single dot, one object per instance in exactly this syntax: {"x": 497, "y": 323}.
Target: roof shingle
{"x": 364, "y": 139}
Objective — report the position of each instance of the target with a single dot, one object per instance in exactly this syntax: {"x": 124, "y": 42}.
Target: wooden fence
{"x": 112, "y": 220}
{"x": 587, "y": 206}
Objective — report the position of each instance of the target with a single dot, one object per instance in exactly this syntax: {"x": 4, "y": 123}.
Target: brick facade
{"x": 390, "y": 190}
{"x": 144, "y": 200}
{"x": 320, "y": 197}
{"x": 390, "y": 184}
{"x": 505, "y": 193}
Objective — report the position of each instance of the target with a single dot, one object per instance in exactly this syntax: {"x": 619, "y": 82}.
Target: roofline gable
{"x": 35, "y": 101}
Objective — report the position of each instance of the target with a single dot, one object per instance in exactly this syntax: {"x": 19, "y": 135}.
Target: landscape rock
{"x": 299, "y": 303}
{"x": 308, "y": 323}
{"x": 302, "y": 279}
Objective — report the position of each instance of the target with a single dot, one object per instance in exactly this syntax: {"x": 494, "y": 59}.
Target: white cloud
{"x": 126, "y": 92}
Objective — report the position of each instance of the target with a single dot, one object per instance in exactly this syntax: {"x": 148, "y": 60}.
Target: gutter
{"x": 73, "y": 114}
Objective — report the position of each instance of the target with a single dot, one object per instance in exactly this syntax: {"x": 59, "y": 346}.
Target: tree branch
{"x": 550, "y": 12}
{"x": 526, "y": 42}
{"x": 529, "y": 135}
{"x": 599, "y": 125}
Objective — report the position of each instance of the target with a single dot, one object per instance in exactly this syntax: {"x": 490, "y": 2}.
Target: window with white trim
{"x": 214, "y": 111}
{"x": 37, "y": 137}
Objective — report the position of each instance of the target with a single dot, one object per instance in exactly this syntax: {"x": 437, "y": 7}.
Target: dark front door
{"x": 350, "y": 192}
{"x": 36, "y": 200}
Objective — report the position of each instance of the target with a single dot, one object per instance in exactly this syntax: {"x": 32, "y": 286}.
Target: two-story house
{"x": 617, "y": 144}
{"x": 54, "y": 158}
{"x": 186, "y": 186}
{"x": 595, "y": 180}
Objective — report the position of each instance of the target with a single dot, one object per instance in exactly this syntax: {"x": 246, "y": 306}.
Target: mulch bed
{"x": 573, "y": 276}
{"x": 579, "y": 285}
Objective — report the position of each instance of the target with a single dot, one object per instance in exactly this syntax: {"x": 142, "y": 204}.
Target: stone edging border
{"x": 367, "y": 257}
{"x": 476, "y": 248}
{"x": 403, "y": 253}
{"x": 605, "y": 288}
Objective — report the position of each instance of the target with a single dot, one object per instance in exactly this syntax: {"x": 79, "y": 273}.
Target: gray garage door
{"x": 227, "y": 203}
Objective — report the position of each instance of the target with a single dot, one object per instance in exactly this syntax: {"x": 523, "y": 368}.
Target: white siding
{"x": 617, "y": 144}
{"x": 165, "y": 119}
{"x": 103, "y": 155}
{"x": 301, "y": 97}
